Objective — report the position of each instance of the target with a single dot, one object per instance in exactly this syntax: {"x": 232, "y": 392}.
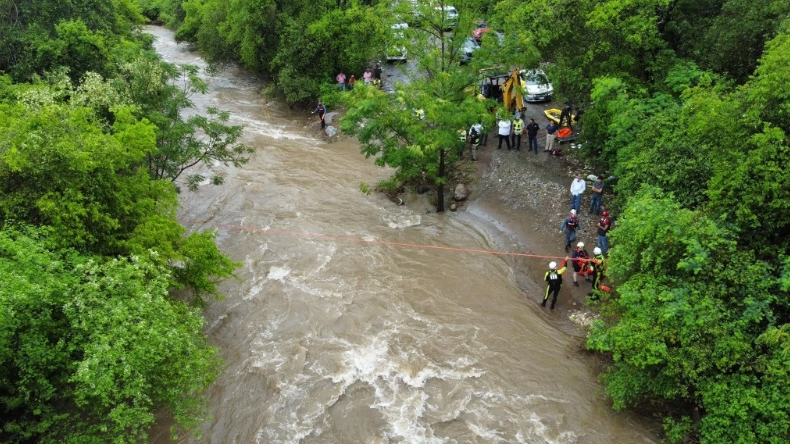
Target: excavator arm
{"x": 511, "y": 95}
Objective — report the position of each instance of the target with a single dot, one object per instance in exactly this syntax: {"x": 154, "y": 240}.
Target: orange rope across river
{"x": 368, "y": 241}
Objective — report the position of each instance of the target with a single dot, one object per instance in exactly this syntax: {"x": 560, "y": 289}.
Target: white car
{"x": 449, "y": 16}
{"x": 537, "y": 87}
{"x": 396, "y": 51}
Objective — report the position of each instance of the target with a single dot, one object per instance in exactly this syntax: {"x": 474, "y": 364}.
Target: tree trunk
{"x": 440, "y": 191}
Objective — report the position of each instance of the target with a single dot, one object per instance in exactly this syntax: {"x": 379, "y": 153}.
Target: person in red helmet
{"x": 604, "y": 224}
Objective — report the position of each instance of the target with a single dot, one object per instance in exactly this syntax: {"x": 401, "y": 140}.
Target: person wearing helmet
{"x": 598, "y": 268}
{"x": 597, "y": 195}
{"x": 569, "y": 227}
{"x": 603, "y": 228}
{"x": 553, "y": 280}
{"x": 579, "y": 257}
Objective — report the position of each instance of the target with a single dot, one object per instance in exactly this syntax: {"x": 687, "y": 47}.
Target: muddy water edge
{"x": 346, "y": 327}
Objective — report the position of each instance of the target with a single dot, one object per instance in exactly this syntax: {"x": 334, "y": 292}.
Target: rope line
{"x": 374, "y": 241}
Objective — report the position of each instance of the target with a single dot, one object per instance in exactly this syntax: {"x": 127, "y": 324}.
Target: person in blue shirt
{"x": 551, "y": 134}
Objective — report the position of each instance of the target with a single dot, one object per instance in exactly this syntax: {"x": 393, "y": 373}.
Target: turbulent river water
{"x": 340, "y": 330}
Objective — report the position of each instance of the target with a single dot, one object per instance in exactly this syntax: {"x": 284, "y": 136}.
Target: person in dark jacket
{"x": 321, "y": 110}
{"x": 553, "y": 280}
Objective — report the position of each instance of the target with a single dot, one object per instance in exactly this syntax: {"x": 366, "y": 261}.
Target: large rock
{"x": 331, "y": 131}
{"x": 461, "y": 193}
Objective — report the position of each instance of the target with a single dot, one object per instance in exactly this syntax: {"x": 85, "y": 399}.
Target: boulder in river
{"x": 461, "y": 193}
{"x": 331, "y": 131}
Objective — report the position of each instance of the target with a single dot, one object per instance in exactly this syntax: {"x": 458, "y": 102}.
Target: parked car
{"x": 396, "y": 50}
{"x": 480, "y": 29}
{"x": 470, "y": 45}
{"x": 537, "y": 87}
{"x": 449, "y": 16}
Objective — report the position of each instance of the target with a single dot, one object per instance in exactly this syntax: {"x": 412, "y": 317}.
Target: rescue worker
{"x": 321, "y": 110}
{"x": 580, "y": 263}
{"x": 566, "y": 115}
{"x": 461, "y": 142}
{"x": 518, "y": 129}
{"x": 598, "y": 269}
{"x": 553, "y": 280}
{"x": 603, "y": 228}
{"x": 474, "y": 140}
{"x": 569, "y": 227}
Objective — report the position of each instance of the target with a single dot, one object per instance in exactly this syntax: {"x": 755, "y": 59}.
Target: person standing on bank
{"x": 474, "y": 140}
{"x": 598, "y": 269}
{"x": 351, "y": 81}
{"x": 532, "y": 135}
{"x": 518, "y": 130}
{"x": 341, "y": 81}
{"x": 367, "y": 76}
{"x": 577, "y": 189}
{"x": 321, "y": 110}
{"x": 597, "y": 193}
{"x": 461, "y": 142}
{"x": 553, "y": 280}
{"x": 504, "y": 127}
{"x": 551, "y": 134}
{"x": 579, "y": 258}
{"x": 569, "y": 227}
{"x": 603, "y": 228}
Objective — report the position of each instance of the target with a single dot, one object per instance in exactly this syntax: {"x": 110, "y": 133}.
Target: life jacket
{"x": 605, "y": 221}
{"x": 572, "y": 223}
{"x": 553, "y": 277}
{"x": 518, "y": 124}
{"x": 474, "y": 137}
{"x": 582, "y": 256}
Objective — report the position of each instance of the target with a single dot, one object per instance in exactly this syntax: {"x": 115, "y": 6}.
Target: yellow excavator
{"x": 511, "y": 92}
{"x": 505, "y": 87}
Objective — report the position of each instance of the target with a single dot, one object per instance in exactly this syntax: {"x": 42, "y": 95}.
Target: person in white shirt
{"x": 577, "y": 189}
{"x": 504, "y": 133}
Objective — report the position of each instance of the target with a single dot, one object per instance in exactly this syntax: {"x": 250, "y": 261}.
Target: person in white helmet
{"x": 553, "y": 280}
{"x": 579, "y": 256}
{"x": 597, "y": 265}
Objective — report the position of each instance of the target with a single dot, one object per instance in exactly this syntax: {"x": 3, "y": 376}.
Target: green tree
{"x": 684, "y": 328}
{"x": 62, "y": 167}
{"x": 91, "y": 350}
{"x": 391, "y": 127}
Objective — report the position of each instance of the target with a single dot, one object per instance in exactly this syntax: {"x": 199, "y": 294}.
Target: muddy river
{"x": 347, "y": 325}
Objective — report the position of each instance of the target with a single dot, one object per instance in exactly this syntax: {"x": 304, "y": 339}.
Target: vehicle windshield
{"x": 537, "y": 79}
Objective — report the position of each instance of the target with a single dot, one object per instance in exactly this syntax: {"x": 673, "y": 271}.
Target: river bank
{"x": 523, "y": 197}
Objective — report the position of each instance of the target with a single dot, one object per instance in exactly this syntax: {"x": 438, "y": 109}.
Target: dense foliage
{"x": 93, "y": 140}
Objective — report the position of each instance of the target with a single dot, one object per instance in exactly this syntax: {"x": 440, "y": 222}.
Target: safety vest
{"x": 518, "y": 124}
{"x": 572, "y": 223}
{"x": 462, "y": 135}
{"x": 553, "y": 277}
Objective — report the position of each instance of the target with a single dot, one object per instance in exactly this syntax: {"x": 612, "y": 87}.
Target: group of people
{"x": 511, "y": 130}
{"x": 369, "y": 77}
{"x": 592, "y": 268}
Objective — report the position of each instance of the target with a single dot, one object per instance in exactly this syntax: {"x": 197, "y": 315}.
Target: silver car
{"x": 537, "y": 87}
